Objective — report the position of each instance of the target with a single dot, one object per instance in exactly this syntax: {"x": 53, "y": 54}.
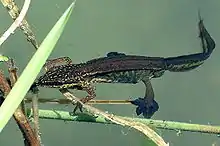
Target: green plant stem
{"x": 162, "y": 124}
{"x": 144, "y": 129}
{"x": 31, "y": 71}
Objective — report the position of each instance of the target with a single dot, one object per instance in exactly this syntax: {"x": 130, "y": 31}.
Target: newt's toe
{"x": 145, "y": 108}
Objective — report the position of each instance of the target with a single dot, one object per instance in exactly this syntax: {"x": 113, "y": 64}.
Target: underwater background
{"x": 141, "y": 27}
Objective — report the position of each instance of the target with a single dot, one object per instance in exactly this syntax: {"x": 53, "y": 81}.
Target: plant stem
{"x": 14, "y": 11}
{"x": 20, "y": 118}
{"x": 144, "y": 129}
{"x": 162, "y": 124}
{"x": 66, "y": 101}
{"x": 16, "y": 23}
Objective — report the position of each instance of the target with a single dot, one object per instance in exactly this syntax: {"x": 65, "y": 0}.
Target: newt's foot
{"x": 34, "y": 89}
{"x": 79, "y": 105}
{"x": 145, "y": 108}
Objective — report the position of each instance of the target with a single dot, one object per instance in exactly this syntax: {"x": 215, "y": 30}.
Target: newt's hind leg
{"x": 147, "y": 105}
{"x": 57, "y": 62}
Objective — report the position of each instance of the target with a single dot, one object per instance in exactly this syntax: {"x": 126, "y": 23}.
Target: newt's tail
{"x": 208, "y": 44}
{"x": 189, "y": 62}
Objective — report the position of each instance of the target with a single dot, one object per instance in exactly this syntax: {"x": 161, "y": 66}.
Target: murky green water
{"x": 152, "y": 28}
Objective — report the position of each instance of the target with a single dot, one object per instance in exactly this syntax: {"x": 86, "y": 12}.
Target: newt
{"x": 122, "y": 68}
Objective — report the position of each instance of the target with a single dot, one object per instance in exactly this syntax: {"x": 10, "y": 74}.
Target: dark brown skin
{"x": 121, "y": 68}
{"x": 74, "y": 73}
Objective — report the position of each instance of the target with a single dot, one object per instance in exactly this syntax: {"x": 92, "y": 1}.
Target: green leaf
{"x": 31, "y": 71}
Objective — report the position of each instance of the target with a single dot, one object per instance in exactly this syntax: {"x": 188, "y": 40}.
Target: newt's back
{"x": 73, "y": 73}
{"x": 122, "y": 63}
{"x": 115, "y": 66}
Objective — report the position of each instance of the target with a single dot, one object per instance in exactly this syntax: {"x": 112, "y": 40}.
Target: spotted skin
{"x": 121, "y": 68}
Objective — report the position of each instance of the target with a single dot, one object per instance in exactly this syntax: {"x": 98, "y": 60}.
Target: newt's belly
{"x": 130, "y": 77}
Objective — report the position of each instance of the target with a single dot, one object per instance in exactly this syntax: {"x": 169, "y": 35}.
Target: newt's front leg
{"x": 90, "y": 89}
{"x": 147, "y": 105}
